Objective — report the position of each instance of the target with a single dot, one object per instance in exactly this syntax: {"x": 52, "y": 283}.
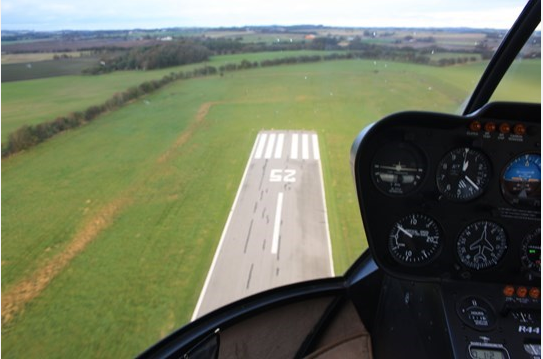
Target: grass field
{"x": 145, "y": 191}
{"x": 35, "y": 101}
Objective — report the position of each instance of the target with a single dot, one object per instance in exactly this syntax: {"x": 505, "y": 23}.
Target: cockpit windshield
{"x": 162, "y": 159}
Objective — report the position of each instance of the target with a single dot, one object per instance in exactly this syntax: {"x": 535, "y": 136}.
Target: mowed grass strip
{"x": 140, "y": 277}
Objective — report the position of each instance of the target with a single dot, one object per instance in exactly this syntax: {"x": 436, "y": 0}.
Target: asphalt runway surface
{"x": 277, "y": 231}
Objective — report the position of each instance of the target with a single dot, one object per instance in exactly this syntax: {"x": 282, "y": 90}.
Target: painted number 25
{"x": 283, "y": 176}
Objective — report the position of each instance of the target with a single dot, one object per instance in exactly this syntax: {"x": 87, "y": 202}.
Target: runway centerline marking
{"x": 277, "y": 223}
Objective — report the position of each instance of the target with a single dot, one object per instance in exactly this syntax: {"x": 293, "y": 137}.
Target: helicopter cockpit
{"x": 451, "y": 206}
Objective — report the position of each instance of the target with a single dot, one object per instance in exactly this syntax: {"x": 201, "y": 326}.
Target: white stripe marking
{"x": 260, "y": 147}
{"x": 279, "y": 146}
{"x": 223, "y": 235}
{"x": 277, "y": 224}
{"x": 305, "y": 146}
{"x": 294, "y": 147}
{"x": 269, "y": 148}
{"x": 330, "y": 256}
{"x": 316, "y": 152}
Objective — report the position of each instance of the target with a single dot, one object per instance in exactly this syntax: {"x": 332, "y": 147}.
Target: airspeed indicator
{"x": 415, "y": 240}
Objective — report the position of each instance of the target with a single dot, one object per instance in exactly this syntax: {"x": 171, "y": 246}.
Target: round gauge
{"x": 415, "y": 240}
{"x": 530, "y": 252}
{"x": 481, "y": 245}
{"x": 463, "y": 174}
{"x": 398, "y": 169}
{"x": 521, "y": 180}
{"x": 476, "y": 313}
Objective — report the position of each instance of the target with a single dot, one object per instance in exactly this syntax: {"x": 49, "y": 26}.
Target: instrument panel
{"x": 453, "y": 197}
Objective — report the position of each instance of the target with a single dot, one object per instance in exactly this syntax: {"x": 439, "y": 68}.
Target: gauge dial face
{"x": 530, "y": 252}
{"x": 481, "y": 245}
{"x": 463, "y": 174}
{"x": 415, "y": 240}
{"x": 521, "y": 180}
{"x": 398, "y": 169}
{"x": 477, "y": 313}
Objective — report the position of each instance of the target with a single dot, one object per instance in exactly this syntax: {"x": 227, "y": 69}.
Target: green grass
{"x": 519, "y": 84}
{"x": 140, "y": 278}
{"x": 35, "y": 101}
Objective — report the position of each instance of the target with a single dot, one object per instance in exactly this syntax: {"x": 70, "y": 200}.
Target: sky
{"x": 51, "y": 15}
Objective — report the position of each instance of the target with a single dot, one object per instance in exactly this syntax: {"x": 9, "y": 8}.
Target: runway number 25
{"x": 282, "y": 176}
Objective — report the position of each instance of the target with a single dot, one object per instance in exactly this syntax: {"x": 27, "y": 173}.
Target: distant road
{"x": 277, "y": 230}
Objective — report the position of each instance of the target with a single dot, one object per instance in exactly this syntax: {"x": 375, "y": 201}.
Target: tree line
{"x": 176, "y": 53}
{"x": 153, "y": 57}
{"x": 30, "y": 135}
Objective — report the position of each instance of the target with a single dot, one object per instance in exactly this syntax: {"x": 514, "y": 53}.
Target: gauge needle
{"x": 472, "y": 183}
{"x": 405, "y": 232}
{"x": 466, "y": 162}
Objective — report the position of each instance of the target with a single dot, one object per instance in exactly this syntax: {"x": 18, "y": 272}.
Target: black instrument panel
{"x": 452, "y": 197}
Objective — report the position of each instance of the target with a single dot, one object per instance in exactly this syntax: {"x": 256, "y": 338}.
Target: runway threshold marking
{"x": 269, "y": 148}
{"x": 294, "y": 147}
{"x": 316, "y": 153}
{"x": 279, "y": 147}
{"x": 261, "y": 139}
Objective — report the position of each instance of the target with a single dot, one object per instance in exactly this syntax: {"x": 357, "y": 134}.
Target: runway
{"x": 277, "y": 230}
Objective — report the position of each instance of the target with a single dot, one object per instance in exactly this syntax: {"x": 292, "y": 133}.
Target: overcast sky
{"x": 130, "y": 14}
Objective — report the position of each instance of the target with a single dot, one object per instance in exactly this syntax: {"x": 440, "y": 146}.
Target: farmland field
{"x": 125, "y": 213}
{"x": 43, "y": 56}
{"x": 46, "y": 68}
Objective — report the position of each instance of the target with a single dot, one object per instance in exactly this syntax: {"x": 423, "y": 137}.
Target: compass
{"x": 481, "y": 245}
